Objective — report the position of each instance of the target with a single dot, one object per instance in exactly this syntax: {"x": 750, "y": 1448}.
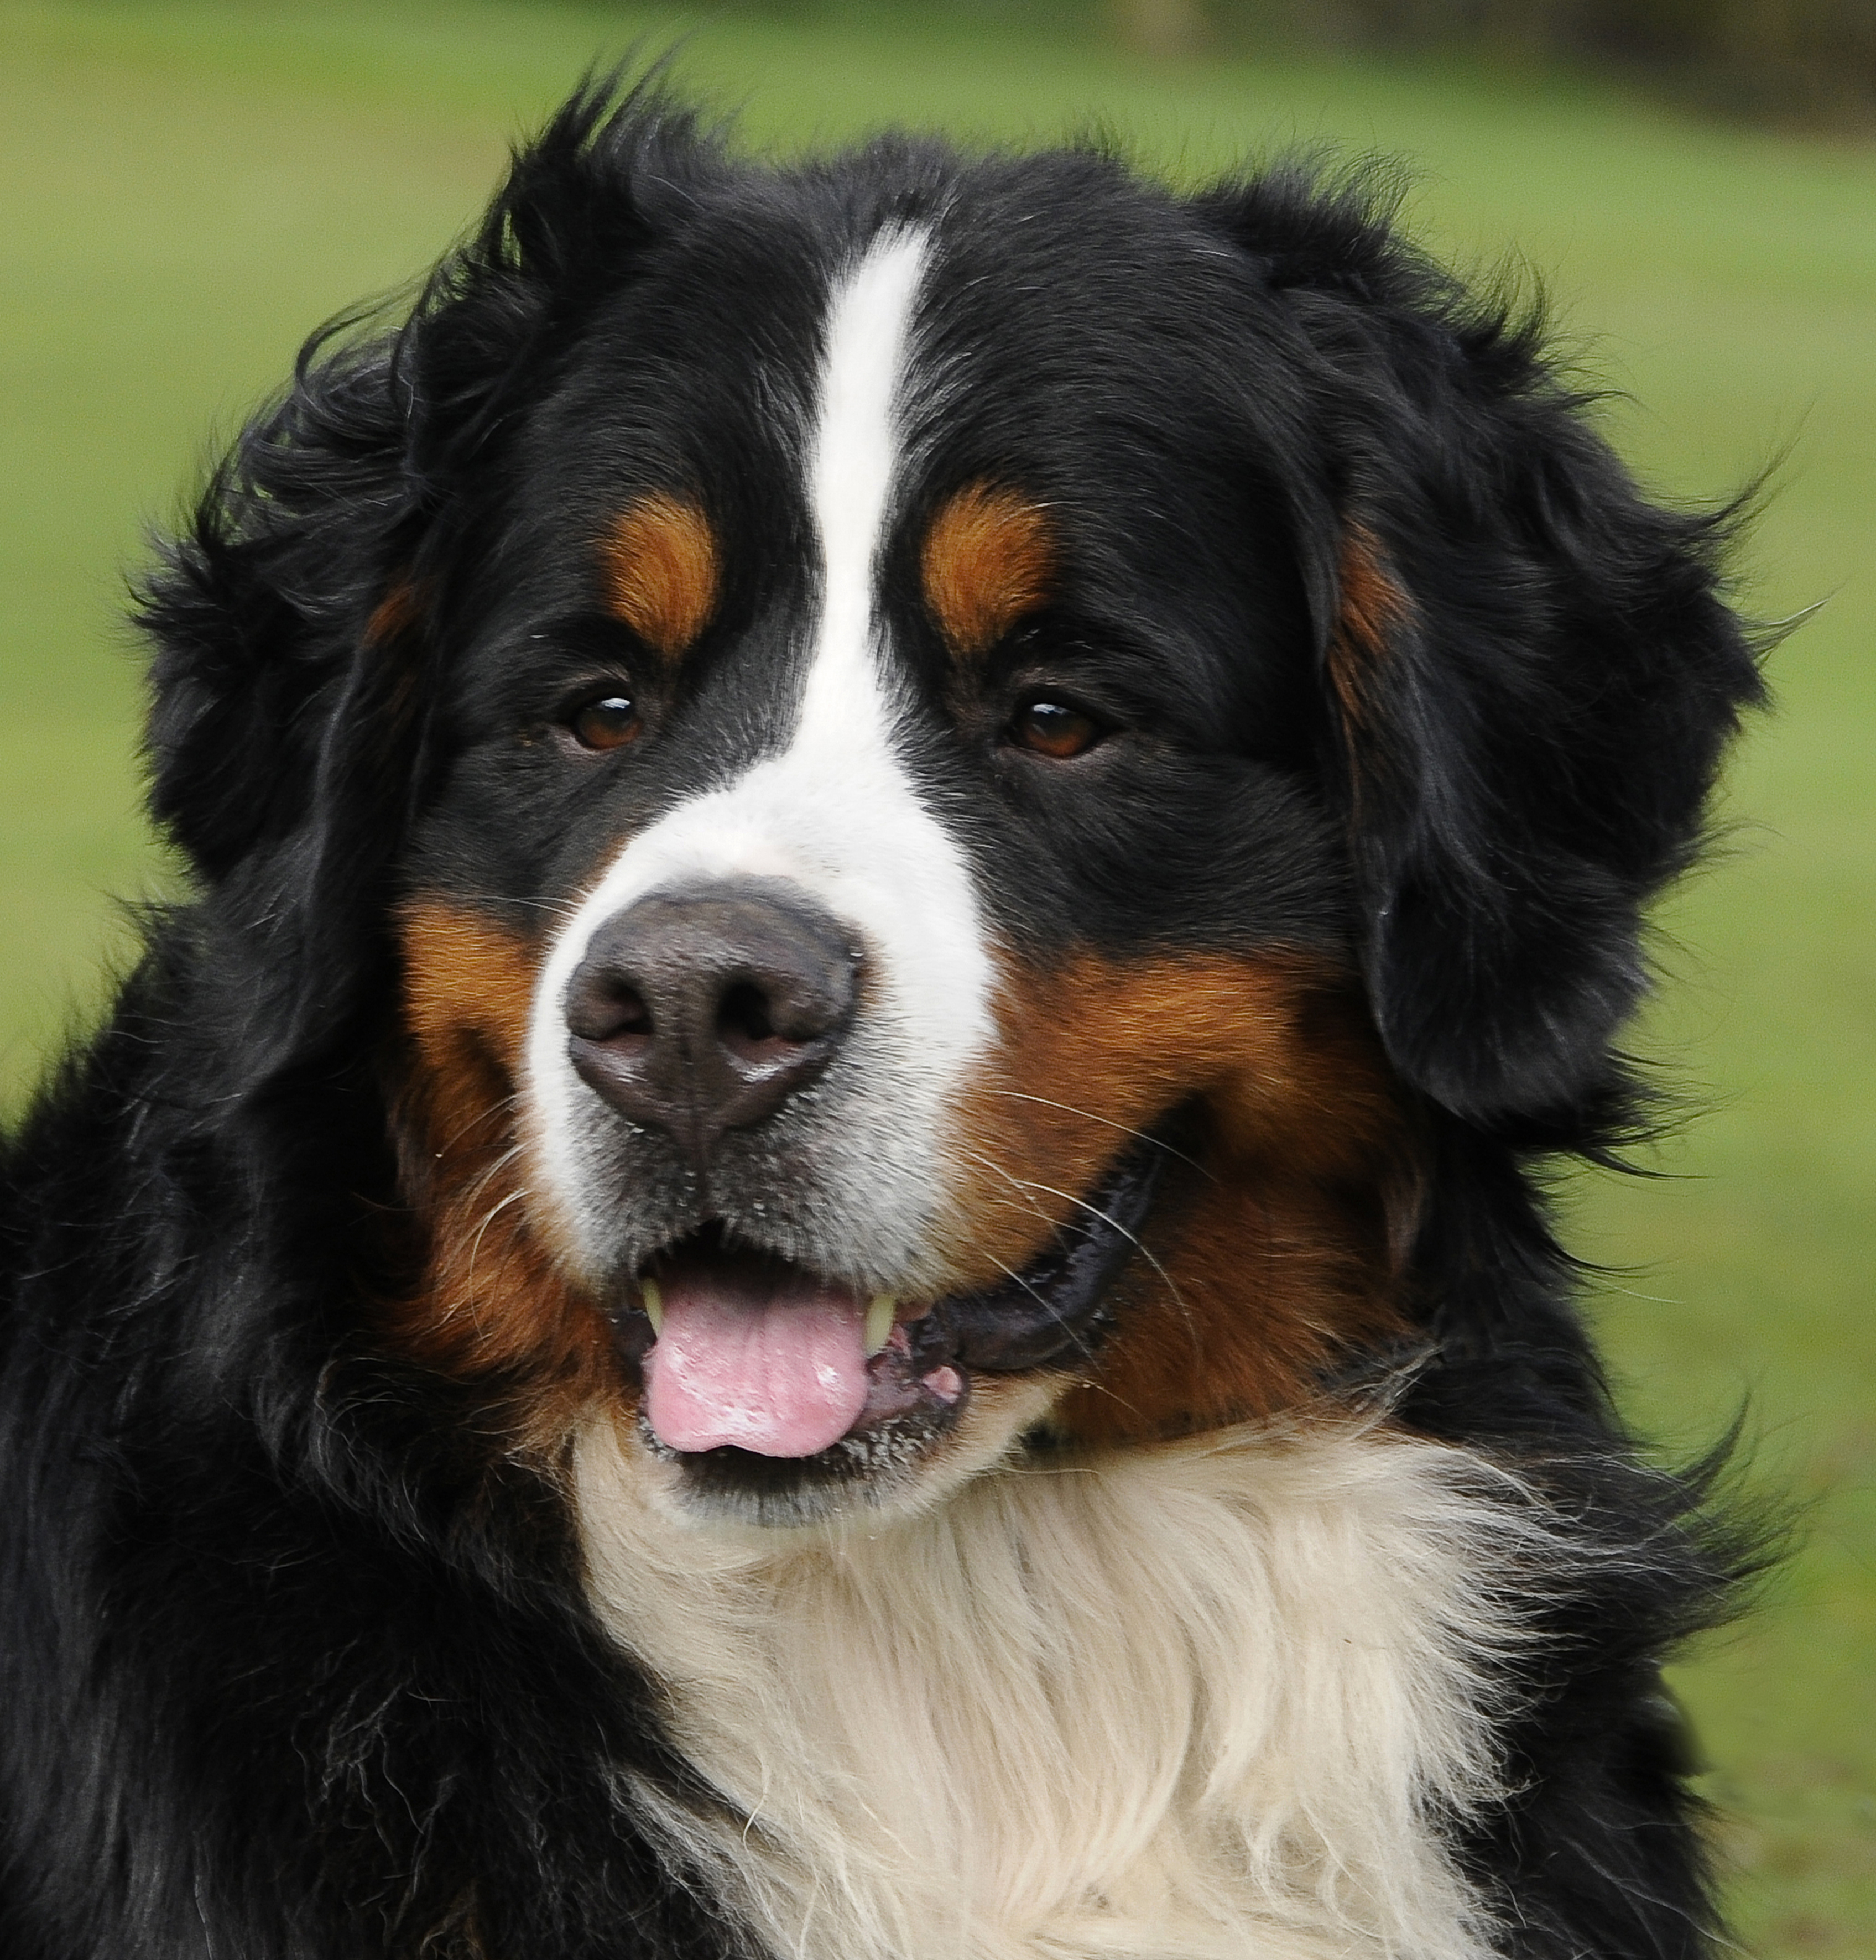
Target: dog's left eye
{"x": 610, "y": 722}
{"x": 1057, "y": 728}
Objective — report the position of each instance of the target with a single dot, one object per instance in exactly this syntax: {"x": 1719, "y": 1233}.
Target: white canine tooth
{"x": 879, "y": 1312}
{"x": 651, "y": 1296}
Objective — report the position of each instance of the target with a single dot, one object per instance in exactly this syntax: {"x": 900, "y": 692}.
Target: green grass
{"x": 187, "y": 189}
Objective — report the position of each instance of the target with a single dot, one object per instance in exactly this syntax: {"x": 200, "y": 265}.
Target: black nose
{"x": 698, "y": 1011}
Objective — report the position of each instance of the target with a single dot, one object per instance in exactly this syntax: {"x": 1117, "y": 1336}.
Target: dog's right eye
{"x": 610, "y": 722}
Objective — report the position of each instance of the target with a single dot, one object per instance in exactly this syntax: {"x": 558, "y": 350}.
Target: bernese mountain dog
{"x": 824, "y": 1234}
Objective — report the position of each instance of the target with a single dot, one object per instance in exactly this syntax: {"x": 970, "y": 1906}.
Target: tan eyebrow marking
{"x": 990, "y": 556}
{"x": 659, "y": 561}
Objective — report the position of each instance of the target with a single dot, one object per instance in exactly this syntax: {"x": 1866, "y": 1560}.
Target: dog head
{"x": 949, "y": 764}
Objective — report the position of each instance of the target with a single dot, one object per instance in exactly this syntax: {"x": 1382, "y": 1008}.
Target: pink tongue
{"x": 777, "y": 1369}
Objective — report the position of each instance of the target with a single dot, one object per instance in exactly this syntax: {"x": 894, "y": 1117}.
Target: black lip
{"x": 1058, "y": 1310}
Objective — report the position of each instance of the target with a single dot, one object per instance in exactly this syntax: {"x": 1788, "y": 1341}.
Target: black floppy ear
{"x": 296, "y": 622}
{"x": 1531, "y": 670}
{"x": 280, "y": 740}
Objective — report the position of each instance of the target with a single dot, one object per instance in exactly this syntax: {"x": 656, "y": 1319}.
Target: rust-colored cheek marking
{"x": 660, "y": 561}
{"x": 1374, "y": 608}
{"x": 491, "y": 1303}
{"x": 1280, "y": 1253}
{"x": 989, "y": 558}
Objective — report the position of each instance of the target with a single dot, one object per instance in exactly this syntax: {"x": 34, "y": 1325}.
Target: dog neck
{"x": 1222, "y": 1696}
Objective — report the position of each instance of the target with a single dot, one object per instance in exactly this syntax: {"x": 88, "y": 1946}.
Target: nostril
{"x": 745, "y": 1024}
{"x": 611, "y": 1011}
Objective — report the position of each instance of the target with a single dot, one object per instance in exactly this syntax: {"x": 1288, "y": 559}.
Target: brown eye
{"x": 1053, "y": 729}
{"x": 608, "y": 723}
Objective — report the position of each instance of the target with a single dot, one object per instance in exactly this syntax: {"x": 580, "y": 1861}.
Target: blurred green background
{"x": 186, "y": 189}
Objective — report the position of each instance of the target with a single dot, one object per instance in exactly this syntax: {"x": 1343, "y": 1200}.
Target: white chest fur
{"x": 1213, "y": 1698}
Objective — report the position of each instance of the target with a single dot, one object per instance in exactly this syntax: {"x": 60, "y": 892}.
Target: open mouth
{"x": 754, "y": 1368}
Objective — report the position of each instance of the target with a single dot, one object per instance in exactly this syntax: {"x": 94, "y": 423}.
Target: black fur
{"x": 294, "y": 1658}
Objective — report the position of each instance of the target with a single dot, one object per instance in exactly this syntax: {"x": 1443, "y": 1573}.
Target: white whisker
{"x": 469, "y": 1283}
{"x": 1139, "y": 1245}
{"x": 494, "y": 1109}
{"x": 482, "y": 1183}
{"x": 1125, "y": 1129}
{"x": 1015, "y": 1183}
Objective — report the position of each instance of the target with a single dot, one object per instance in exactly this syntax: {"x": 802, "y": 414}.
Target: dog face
{"x": 848, "y": 742}
{"x": 984, "y": 751}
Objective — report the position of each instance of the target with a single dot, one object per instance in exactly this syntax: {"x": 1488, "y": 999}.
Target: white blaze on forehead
{"x": 855, "y": 449}
{"x": 836, "y": 812}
